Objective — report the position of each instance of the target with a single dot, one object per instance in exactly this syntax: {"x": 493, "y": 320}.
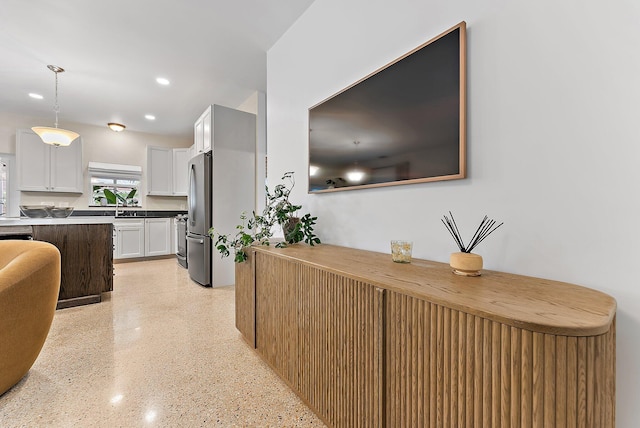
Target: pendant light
{"x": 55, "y": 136}
{"x": 356, "y": 174}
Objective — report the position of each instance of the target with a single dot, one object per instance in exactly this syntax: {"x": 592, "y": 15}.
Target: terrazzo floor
{"x": 159, "y": 351}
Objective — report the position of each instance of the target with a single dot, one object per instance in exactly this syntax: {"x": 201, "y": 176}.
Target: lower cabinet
{"x": 326, "y": 342}
{"x": 157, "y": 240}
{"x": 134, "y": 238}
{"x": 129, "y": 239}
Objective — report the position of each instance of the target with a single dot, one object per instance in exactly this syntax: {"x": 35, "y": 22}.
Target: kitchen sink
{"x": 129, "y": 214}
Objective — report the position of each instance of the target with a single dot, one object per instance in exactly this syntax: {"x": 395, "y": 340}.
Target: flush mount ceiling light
{"x": 163, "y": 81}
{"x": 149, "y": 117}
{"x": 55, "y": 136}
{"x": 355, "y": 175}
{"x": 36, "y": 96}
{"x": 117, "y": 127}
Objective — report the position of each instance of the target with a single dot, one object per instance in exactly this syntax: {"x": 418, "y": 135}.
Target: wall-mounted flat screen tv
{"x": 404, "y": 123}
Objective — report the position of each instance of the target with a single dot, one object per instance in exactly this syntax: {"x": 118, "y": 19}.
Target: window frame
{"x": 116, "y": 178}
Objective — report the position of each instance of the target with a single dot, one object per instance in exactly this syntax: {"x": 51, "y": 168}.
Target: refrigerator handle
{"x": 192, "y": 196}
{"x": 200, "y": 240}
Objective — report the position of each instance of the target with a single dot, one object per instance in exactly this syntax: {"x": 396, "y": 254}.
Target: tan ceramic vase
{"x": 466, "y": 264}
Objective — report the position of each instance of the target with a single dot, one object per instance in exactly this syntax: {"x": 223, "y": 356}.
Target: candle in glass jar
{"x": 401, "y": 251}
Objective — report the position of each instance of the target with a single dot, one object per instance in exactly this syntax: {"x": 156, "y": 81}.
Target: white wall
{"x": 257, "y": 104}
{"x": 250, "y": 105}
{"x": 553, "y": 140}
{"x": 99, "y": 144}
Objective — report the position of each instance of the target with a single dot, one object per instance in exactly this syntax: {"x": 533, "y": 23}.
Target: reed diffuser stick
{"x": 485, "y": 228}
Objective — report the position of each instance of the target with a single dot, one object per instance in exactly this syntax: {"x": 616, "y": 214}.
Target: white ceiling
{"x": 212, "y": 51}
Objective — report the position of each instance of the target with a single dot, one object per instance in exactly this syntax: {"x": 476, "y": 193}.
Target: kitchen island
{"x": 86, "y": 250}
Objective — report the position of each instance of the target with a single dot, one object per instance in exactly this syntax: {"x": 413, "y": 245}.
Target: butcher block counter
{"x": 86, "y": 250}
{"x": 365, "y": 341}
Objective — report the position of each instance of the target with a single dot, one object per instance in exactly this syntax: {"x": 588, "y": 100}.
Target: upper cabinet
{"x": 167, "y": 171}
{"x": 45, "y": 168}
{"x": 202, "y": 132}
{"x": 181, "y": 159}
{"x": 159, "y": 171}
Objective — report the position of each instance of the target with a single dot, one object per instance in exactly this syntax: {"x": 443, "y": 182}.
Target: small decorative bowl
{"x": 35, "y": 211}
{"x": 60, "y": 212}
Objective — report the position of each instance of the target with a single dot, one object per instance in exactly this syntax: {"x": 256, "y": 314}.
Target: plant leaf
{"x": 111, "y": 197}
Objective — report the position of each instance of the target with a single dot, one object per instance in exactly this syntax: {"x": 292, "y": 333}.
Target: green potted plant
{"x": 258, "y": 228}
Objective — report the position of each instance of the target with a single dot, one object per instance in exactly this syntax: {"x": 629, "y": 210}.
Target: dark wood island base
{"x": 86, "y": 252}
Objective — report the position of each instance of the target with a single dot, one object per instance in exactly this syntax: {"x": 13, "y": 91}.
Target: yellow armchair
{"x": 29, "y": 287}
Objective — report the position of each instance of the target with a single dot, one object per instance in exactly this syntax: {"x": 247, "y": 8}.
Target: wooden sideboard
{"x": 368, "y": 342}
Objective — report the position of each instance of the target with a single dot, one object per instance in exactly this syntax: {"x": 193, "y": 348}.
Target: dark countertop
{"x": 138, "y": 213}
{"x": 90, "y": 217}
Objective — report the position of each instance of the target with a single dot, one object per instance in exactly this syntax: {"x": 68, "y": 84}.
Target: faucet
{"x": 117, "y": 205}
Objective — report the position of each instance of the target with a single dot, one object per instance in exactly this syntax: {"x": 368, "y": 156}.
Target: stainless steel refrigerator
{"x": 199, "y": 221}
{"x": 221, "y": 186}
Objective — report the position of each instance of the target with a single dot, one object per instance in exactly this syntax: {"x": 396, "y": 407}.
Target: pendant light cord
{"x": 56, "y": 108}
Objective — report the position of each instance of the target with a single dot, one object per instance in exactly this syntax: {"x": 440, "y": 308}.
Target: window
{"x": 112, "y": 191}
{"x": 113, "y": 184}
{"x": 9, "y": 194}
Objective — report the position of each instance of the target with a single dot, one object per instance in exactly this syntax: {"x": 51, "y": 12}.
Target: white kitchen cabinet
{"x": 180, "y": 171}
{"x": 159, "y": 171}
{"x": 157, "y": 240}
{"x": 45, "y": 168}
{"x": 202, "y": 131}
{"x": 129, "y": 238}
{"x": 198, "y": 136}
{"x": 140, "y": 237}
{"x": 167, "y": 171}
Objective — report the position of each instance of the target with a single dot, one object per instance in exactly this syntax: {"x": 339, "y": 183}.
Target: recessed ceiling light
{"x": 162, "y": 81}
{"x": 149, "y": 117}
{"x": 36, "y": 96}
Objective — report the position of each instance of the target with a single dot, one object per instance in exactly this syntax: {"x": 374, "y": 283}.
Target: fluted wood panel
{"x": 322, "y": 333}
{"x": 446, "y": 368}
{"x": 246, "y": 298}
